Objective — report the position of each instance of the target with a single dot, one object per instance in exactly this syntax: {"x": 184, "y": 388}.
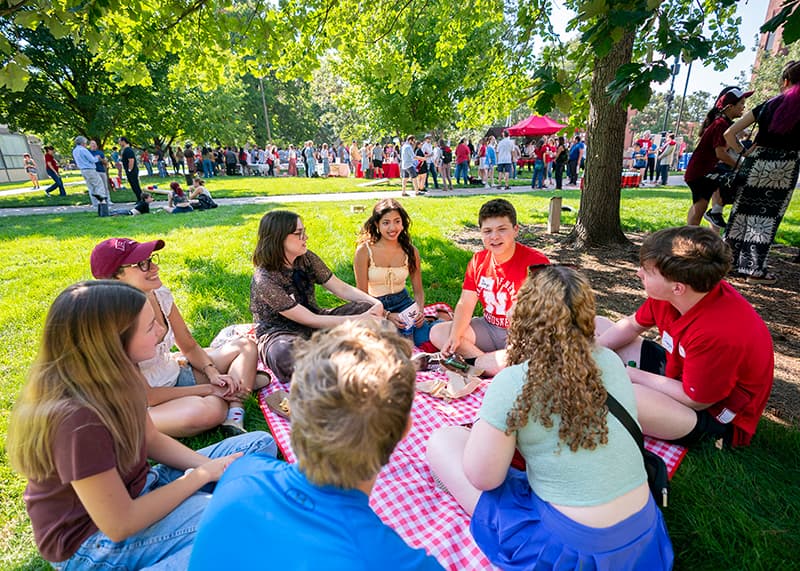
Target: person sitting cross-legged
{"x": 494, "y": 275}
{"x": 350, "y": 405}
{"x": 712, "y": 373}
{"x": 584, "y": 502}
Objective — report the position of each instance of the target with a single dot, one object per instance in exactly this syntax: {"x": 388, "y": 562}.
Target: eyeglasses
{"x": 301, "y": 234}
{"x": 144, "y": 265}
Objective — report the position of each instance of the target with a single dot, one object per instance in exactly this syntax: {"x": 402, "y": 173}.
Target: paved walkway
{"x": 329, "y": 197}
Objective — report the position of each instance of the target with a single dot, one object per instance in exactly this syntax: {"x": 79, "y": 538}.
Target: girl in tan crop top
{"x": 385, "y": 259}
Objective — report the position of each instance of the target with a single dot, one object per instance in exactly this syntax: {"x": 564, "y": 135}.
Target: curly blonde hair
{"x": 552, "y": 328}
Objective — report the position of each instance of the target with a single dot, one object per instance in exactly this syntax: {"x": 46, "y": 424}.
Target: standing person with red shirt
{"x": 462, "y": 162}
{"x": 712, "y": 373}
{"x": 710, "y": 151}
{"x": 51, "y": 166}
{"x": 483, "y": 171}
{"x": 549, "y": 156}
{"x": 494, "y": 276}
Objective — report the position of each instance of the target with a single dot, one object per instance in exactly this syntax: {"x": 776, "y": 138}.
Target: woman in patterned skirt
{"x": 767, "y": 177}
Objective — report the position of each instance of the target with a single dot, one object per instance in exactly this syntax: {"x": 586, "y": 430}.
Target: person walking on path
{"x": 87, "y": 163}
{"x": 51, "y": 166}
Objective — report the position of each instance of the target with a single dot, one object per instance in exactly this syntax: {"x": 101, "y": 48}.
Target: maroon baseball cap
{"x": 731, "y": 96}
{"x": 109, "y": 255}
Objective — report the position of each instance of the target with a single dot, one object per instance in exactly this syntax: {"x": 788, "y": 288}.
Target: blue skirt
{"x": 518, "y": 530}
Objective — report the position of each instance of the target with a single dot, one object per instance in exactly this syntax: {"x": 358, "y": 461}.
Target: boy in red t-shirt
{"x": 493, "y": 277}
{"x": 712, "y": 373}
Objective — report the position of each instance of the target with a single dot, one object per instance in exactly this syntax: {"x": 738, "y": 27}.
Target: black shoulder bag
{"x": 657, "y": 474}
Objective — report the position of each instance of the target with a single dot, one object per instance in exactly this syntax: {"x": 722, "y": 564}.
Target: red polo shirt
{"x": 721, "y": 351}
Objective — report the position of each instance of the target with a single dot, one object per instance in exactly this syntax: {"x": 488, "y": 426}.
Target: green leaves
{"x": 789, "y": 18}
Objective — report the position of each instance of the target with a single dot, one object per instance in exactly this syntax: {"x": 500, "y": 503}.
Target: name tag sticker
{"x": 666, "y": 342}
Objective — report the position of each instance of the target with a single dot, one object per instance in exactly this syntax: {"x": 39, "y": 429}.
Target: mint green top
{"x": 556, "y": 474}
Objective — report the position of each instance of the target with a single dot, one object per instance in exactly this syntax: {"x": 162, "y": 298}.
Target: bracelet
{"x": 386, "y": 314}
{"x": 207, "y": 366}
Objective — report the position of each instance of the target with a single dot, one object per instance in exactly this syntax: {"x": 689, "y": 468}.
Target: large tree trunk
{"x": 598, "y": 221}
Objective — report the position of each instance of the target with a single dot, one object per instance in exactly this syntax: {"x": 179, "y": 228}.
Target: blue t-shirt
{"x": 100, "y": 167}
{"x": 575, "y": 149}
{"x": 266, "y": 514}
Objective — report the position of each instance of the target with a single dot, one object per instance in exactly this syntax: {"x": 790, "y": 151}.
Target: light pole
{"x": 680, "y": 110}
{"x": 675, "y": 69}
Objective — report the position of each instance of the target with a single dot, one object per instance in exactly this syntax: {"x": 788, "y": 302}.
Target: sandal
{"x": 766, "y": 279}
{"x": 278, "y": 402}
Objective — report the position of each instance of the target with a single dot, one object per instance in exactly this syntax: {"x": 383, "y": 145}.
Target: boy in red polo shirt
{"x": 712, "y": 373}
{"x": 494, "y": 275}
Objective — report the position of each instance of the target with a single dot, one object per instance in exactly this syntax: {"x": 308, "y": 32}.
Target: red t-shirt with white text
{"x": 497, "y": 284}
{"x": 721, "y": 351}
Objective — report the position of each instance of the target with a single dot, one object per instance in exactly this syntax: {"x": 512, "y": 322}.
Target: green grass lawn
{"x": 730, "y": 510}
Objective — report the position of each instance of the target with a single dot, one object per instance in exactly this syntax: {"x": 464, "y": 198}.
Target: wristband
{"x": 207, "y": 366}
{"x": 386, "y": 314}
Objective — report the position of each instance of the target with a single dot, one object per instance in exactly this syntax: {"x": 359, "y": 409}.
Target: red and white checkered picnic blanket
{"x": 405, "y": 496}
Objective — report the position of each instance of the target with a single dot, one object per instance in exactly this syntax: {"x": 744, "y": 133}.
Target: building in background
{"x": 12, "y": 146}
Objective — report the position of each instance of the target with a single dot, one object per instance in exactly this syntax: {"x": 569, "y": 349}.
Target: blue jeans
{"x": 162, "y": 169}
{"x": 397, "y": 302}
{"x": 149, "y": 166}
{"x": 167, "y": 544}
{"x": 208, "y": 168}
{"x": 462, "y": 169}
{"x": 538, "y": 174}
{"x": 57, "y": 183}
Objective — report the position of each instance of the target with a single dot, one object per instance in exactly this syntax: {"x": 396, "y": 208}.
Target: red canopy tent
{"x": 535, "y": 125}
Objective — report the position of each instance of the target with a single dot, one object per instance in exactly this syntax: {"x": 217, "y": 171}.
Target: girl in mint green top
{"x": 583, "y": 501}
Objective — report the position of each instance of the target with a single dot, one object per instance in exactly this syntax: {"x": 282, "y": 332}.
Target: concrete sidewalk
{"x": 331, "y": 197}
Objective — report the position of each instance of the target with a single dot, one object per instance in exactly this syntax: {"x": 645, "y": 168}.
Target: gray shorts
{"x": 186, "y": 377}
{"x": 410, "y": 172}
{"x": 488, "y": 337}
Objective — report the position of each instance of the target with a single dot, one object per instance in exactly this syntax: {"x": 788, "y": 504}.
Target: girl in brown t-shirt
{"x": 81, "y": 434}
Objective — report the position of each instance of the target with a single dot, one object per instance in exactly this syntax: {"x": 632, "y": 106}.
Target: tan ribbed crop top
{"x": 385, "y": 280}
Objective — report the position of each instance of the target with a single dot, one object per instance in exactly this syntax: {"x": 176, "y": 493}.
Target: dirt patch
{"x": 619, "y": 292}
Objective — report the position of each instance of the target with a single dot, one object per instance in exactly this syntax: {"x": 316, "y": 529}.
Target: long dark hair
{"x": 275, "y": 226}
{"x": 371, "y": 233}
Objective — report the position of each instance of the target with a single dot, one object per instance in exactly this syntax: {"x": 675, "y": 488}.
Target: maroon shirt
{"x": 50, "y": 163}
{"x": 82, "y": 447}
{"x": 704, "y": 158}
{"x": 462, "y": 153}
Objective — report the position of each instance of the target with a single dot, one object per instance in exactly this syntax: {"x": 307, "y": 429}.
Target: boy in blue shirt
{"x": 350, "y": 405}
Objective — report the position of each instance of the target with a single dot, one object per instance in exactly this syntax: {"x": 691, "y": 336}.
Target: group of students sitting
{"x": 105, "y": 393}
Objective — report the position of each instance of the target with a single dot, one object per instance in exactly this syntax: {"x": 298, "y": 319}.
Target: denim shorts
{"x": 166, "y": 544}
{"x": 410, "y": 172}
{"x": 186, "y": 377}
{"x": 504, "y": 167}
{"x": 397, "y": 302}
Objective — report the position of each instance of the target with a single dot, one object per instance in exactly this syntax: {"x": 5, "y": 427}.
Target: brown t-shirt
{"x": 83, "y": 447}
{"x": 272, "y": 292}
